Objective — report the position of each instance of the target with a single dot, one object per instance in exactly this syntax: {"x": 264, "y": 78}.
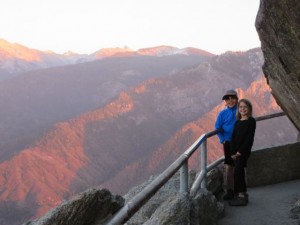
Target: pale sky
{"x": 86, "y": 26}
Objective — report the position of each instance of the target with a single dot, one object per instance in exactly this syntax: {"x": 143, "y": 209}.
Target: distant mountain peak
{"x": 16, "y": 58}
{"x": 162, "y": 50}
{"x": 68, "y": 53}
{"x": 9, "y": 50}
{"x": 165, "y": 50}
{"x": 108, "y": 52}
{"x": 158, "y": 50}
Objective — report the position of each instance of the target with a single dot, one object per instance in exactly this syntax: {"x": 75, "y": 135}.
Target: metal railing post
{"x": 184, "y": 178}
{"x": 204, "y": 162}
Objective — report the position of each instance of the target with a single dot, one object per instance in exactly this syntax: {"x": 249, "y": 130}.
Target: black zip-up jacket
{"x": 243, "y": 137}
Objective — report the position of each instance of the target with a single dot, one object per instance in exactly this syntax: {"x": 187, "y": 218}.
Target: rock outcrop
{"x": 278, "y": 26}
{"x": 168, "y": 206}
{"x": 93, "y": 206}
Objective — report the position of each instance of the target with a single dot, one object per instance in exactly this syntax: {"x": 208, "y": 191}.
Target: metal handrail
{"x": 270, "y": 116}
{"x": 134, "y": 204}
{"x": 142, "y": 197}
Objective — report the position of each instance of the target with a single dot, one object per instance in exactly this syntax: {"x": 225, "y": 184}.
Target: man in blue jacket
{"x": 226, "y": 120}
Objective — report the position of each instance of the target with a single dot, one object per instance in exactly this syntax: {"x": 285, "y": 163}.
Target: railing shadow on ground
{"x": 181, "y": 163}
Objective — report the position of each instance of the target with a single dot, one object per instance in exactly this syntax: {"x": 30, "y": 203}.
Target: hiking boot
{"x": 229, "y": 195}
{"x": 238, "y": 201}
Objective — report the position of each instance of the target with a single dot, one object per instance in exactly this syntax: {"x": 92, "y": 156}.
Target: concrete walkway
{"x": 268, "y": 205}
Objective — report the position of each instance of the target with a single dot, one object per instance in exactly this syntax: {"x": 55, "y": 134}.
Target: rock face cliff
{"x": 278, "y": 26}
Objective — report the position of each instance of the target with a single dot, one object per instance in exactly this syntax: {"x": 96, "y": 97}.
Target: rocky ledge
{"x": 278, "y": 27}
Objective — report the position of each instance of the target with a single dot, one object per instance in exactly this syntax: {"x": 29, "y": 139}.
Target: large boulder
{"x": 278, "y": 27}
{"x": 92, "y": 207}
{"x": 168, "y": 206}
{"x": 156, "y": 206}
{"x": 206, "y": 210}
{"x": 175, "y": 210}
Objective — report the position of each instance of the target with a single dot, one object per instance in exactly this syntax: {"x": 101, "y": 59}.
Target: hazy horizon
{"x": 62, "y": 25}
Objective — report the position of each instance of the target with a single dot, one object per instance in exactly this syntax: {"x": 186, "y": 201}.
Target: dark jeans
{"x": 227, "y": 153}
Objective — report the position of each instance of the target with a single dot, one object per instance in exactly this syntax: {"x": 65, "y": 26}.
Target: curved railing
{"x": 181, "y": 163}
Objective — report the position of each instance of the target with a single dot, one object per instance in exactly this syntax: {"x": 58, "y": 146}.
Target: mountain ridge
{"x": 108, "y": 144}
{"x": 37, "y": 99}
{"x": 16, "y": 58}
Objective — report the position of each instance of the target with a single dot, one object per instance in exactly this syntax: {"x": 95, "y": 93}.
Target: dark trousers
{"x": 227, "y": 153}
{"x": 239, "y": 175}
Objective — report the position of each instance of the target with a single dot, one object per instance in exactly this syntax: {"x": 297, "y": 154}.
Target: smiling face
{"x": 231, "y": 101}
{"x": 244, "y": 109}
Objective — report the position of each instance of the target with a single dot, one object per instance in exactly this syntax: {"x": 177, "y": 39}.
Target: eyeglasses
{"x": 230, "y": 98}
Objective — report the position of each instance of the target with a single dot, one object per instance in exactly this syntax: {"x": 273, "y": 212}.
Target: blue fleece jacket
{"x": 226, "y": 120}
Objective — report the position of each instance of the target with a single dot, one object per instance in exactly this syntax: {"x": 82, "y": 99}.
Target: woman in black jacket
{"x": 241, "y": 144}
